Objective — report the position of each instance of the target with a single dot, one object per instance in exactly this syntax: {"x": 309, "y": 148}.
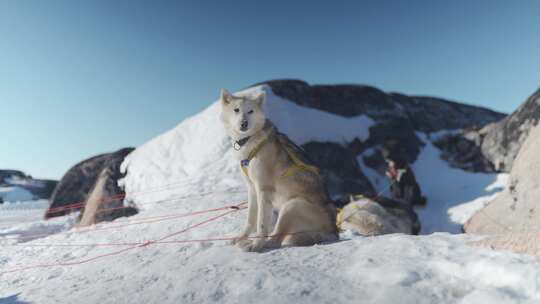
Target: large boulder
{"x": 516, "y": 208}
{"x": 75, "y": 186}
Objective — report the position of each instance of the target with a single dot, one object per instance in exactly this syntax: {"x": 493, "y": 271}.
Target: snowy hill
{"x": 198, "y": 152}
{"x": 172, "y": 253}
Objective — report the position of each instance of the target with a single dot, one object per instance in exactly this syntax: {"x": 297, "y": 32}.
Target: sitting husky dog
{"x": 278, "y": 177}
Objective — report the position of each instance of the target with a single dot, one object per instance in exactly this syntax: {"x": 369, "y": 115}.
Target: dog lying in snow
{"x": 279, "y": 177}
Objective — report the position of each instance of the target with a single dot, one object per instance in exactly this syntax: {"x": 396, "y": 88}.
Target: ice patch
{"x": 15, "y": 194}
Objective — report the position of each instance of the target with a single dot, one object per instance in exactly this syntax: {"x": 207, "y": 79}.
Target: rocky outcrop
{"x": 495, "y": 146}
{"x": 80, "y": 180}
{"x": 398, "y": 118}
{"x": 463, "y": 150}
{"x": 516, "y": 208}
{"x": 38, "y": 188}
{"x": 502, "y": 141}
{"x": 339, "y": 168}
{"x": 426, "y": 114}
{"x": 371, "y": 217}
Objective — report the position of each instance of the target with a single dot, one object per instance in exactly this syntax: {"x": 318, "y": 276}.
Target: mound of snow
{"x": 198, "y": 152}
{"x": 463, "y": 212}
{"x": 14, "y": 214}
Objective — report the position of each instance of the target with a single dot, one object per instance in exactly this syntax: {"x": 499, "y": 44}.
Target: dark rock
{"x": 426, "y": 114}
{"x": 79, "y": 181}
{"x": 339, "y": 168}
{"x": 495, "y": 146}
{"x": 398, "y": 117}
{"x": 501, "y": 142}
{"x": 463, "y": 151}
{"x": 401, "y": 132}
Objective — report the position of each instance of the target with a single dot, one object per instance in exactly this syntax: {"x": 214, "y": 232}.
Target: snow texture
{"x": 191, "y": 168}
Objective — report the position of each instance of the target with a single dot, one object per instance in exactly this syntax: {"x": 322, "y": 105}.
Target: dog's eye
{"x": 236, "y": 110}
{"x": 250, "y": 112}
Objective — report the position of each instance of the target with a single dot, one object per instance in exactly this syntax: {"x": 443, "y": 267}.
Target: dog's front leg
{"x": 264, "y": 219}
{"x": 251, "y": 222}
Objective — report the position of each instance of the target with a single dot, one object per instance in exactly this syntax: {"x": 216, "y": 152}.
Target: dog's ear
{"x": 260, "y": 99}
{"x": 225, "y": 97}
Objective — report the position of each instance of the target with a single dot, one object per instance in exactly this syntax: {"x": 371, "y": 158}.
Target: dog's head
{"x": 242, "y": 116}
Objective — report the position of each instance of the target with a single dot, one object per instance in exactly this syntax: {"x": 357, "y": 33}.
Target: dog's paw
{"x": 252, "y": 245}
{"x": 244, "y": 244}
{"x": 237, "y": 240}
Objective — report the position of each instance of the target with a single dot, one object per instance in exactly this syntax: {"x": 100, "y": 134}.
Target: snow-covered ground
{"x": 191, "y": 168}
{"x": 21, "y": 212}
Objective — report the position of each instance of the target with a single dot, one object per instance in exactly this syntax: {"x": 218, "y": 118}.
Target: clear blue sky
{"x": 79, "y": 78}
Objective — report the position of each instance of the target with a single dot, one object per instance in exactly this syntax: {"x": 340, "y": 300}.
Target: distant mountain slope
{"x": 397, "y": 118}
{"x": 15, "y": 185}
{"x": 426, "y": 114}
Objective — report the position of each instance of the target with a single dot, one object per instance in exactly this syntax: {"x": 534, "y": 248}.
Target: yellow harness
{"x": 340, "y": 219}
{"x": 245, "y": 162}
{"x": 298, "y": 164}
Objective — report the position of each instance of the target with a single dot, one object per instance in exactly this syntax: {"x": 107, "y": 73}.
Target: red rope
{"x": 122, "y": 196}
{"x": 138, "y": 245}
{"x": 171, "y": 186}
{"x": 153, "y": 219}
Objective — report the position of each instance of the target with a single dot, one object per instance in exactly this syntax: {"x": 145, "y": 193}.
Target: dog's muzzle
{"x": 244, "y": 125}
